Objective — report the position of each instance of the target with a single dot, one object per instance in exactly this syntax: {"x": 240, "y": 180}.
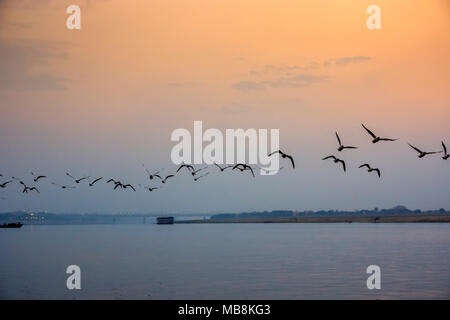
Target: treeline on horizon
{"x": 398, "y": 210}
{"x": 140, "y": 218}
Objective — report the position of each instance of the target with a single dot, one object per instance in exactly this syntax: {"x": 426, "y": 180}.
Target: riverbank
{"x": 331, "y": 219}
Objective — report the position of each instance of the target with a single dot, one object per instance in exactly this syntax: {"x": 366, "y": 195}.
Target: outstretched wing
{"x": 251, "y": 169}
{"x": 278, "y": 151}
{"x": 338, "y": 139}
{"x": 387, "y": 139}
{"x": 329, "y": 157}
{"x": 418, "y": 150}
{"x": 443, "y": 146}
{"x": 343, "y": 165}
{"x": 97, "y": 180}
{"x": 292, "y": 160}
{"x": 378, "y": 171}
{"x": 370, "y": 132}
{"x": 68, "y": 174}
{"x": 365, "y": 165}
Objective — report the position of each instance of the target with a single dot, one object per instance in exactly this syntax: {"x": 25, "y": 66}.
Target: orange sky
{"x": 139, "y": 69}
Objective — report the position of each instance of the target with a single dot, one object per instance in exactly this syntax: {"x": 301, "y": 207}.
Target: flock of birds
{"x": 376, "y": 139}
{"x": 200, "y": 173}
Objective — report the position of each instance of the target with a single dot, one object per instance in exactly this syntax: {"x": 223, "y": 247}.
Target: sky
{"x": 104, "y": 100}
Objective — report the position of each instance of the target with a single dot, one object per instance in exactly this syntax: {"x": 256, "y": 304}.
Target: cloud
{"x": 20, "y": 61}
{"x": 249, "y": 86}
{"x": 299, "y": 80}
{"x": 294, "y": 81}
{"x": 346, "y": 60}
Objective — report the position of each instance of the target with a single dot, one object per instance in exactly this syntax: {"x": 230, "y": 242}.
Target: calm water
{"x": 226, "y": 261}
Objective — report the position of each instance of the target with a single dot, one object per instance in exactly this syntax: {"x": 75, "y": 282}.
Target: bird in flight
{"x": 198, "y": 170}
{"x": 203, "y": 175}
{"x": 63, "y": 186}
{"x": 26, "y": 189}
{"x": 222, "y": 168}
{"x": 93, "y": 182}
{"x": 376, "y": 138}
{"x": 341, "y": 146}
{"x": 423, "y": 153}
{"x": 284, "y": 155}
{"x": 3, "y": 185}
{"x": 337, "y": 160}
{"x": 187, "y": 166}
{"x": 77, "y": 180}
{"x": 150, "y": 189}
{"x": 151, "y": 176}
{"x": 167, "y": 177}
{"x": 128, "y": 185}
{"x": 370, "y": 169}
{"x": 446, "y": 155}
{"x": 36, "y": 178}
{"x": 242, "y": 167}
{"x": 20, "y": 181}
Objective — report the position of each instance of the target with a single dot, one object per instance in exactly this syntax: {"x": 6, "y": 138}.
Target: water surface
{"x": 227, "y": 261}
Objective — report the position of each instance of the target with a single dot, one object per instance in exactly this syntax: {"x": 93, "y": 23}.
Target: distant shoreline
{"x": 331, "y": 219}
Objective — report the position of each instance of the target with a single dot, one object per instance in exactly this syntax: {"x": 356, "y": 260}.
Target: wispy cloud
{"x": 346, "y": 60}
{"x": 249, "y": 86}
{"x": 295, "y": 81}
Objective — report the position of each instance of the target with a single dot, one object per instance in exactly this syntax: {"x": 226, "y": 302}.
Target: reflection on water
{"x": 226, "y": 261}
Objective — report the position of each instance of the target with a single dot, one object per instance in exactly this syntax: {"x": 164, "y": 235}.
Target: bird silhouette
{"x": 284, "y": 155}
{"x": 20, "y": 181}
{"x": 198, "y": 170}
{"x": 370, "y": 169}
{"x": 26, "y": 189}
{"x": 128, "y": 186}
{"x": 423, "y": 153}
{"x": 446, "y": 155}
{"x": 63, "y": 186}
{"x": 376, "y": 138}
{"x": 3, "y": 185}
{"x": 93, "y": 182}
{"x": 77, "y": 180}
{"x": 150, "y": 189}
{"x": 242, "y": 167}
{"x": 222, "y": 168}
{"x": 36, "y": 178}
{"x": 151, "y": 176}
{"x": 337, "y": 160}
{"x": 199, "y": 177}
{"x": 187, "y": 166}
{"x": 167, "y": 177}
{"x": 341, "y": 146}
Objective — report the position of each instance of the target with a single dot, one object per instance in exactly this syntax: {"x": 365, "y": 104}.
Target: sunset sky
{"x": 104, "y": 100}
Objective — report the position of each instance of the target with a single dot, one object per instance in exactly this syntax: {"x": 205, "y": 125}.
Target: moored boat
{"x": 11, "y": 225}
{"x": 164, "y": 220}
